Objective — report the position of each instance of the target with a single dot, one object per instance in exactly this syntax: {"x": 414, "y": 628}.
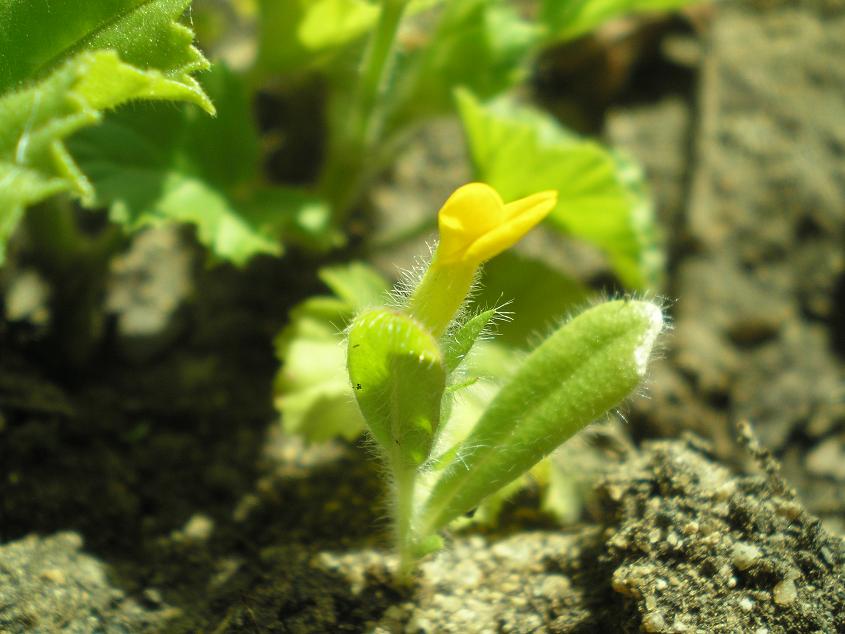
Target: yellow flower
{"x": 475, "y": 225}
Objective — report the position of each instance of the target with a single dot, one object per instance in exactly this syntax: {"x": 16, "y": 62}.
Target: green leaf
{"x": 397, "y": 373}
{"x": 602, "y": 198}
{"x": 585, "y": 368}
{"x": 483, "y": 45}
{"x": 465, "y": 337}
{"x": 536, "y": 294}
{"x": 299, "y": 33}
{"x": 152, "y": 165}
{"x": 39, "y": 37}
{"x": 312, "y": 389}
{"x": 54, "y": 85}
{"x": 356, "y": 283}
{"x": 565, "y": 20}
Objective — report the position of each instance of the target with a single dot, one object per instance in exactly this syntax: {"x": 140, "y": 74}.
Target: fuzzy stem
{"x": 375, "y": 65}
{"x": 403, "y": 501}
{"x": 440, "y": 294}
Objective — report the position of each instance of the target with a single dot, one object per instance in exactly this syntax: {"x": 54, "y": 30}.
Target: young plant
{"x": 404, "y": 365}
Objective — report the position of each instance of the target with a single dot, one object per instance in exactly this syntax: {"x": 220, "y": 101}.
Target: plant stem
{"x": 403, "y": 491}
{"x": 77, "y": 266}
{"x": 357, "y": 129}
{"x": 440, "y": 295}
{"x": 375, "y": 66}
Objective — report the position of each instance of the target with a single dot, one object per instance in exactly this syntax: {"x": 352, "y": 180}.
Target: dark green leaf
{"x": 483, "y": 45}
{"x": 61, "y": 65}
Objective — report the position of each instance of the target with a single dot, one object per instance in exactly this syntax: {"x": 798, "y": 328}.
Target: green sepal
{"x": 398, "y": 377}
{"x": 581, "y": 371}
{"x": 464, "y": 337}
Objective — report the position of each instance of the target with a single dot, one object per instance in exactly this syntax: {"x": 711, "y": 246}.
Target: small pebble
{"x": 55, "y": 575}
{"x": 679, "y": 627}
{"x": 555, "y": 587}
{"x": 654, "y": 622}
{"x": 784, "y": 592}
{"x": 744, "y": 555}
{"x": 199, "y": 527}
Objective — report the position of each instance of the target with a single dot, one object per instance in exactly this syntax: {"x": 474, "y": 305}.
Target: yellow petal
{"x": 518, "y": 207}
{"x": 521, "y": 216}
{"x": 470, "y": 212}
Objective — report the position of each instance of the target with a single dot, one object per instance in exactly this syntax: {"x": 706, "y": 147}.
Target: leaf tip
{"x": 653, "y": 317}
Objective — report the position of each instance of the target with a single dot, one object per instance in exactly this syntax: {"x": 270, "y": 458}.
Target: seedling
{"x": 404, "y": 365}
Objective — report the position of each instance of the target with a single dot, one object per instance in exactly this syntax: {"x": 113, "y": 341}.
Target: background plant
{"x": 472, "y": 58}
{"x": 65, "y": 67}
{"x": 67, "y": 71}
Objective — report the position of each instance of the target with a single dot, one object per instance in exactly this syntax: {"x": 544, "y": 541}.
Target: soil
{"x": 149, "y": 488}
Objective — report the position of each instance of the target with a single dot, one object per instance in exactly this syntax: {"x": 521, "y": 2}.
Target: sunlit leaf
{"x": 567, "y": 19}
{"x": 153, "y": 164}
{"x": 601, "y": 197}
{"x": 586, "y": 367}
{"x": 61, "y": 66}
{"x": 397, "y": 374}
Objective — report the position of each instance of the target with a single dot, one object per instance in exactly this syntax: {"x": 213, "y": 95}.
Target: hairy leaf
{"x": 464, "y": 337}
{"x": 601, "y": 197}
{"x": 397, "y": 374}
{"x": 537, "y": 294}
{"x": 577, "y": 374}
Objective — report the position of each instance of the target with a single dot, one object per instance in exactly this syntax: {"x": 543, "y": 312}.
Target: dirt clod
{"x": 751, "y": 566}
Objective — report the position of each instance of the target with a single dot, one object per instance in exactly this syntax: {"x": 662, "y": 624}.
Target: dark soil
{"x": 149, "y": 488}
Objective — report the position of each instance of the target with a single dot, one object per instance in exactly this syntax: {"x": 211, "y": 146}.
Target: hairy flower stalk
{"x": 475, "y": 225}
